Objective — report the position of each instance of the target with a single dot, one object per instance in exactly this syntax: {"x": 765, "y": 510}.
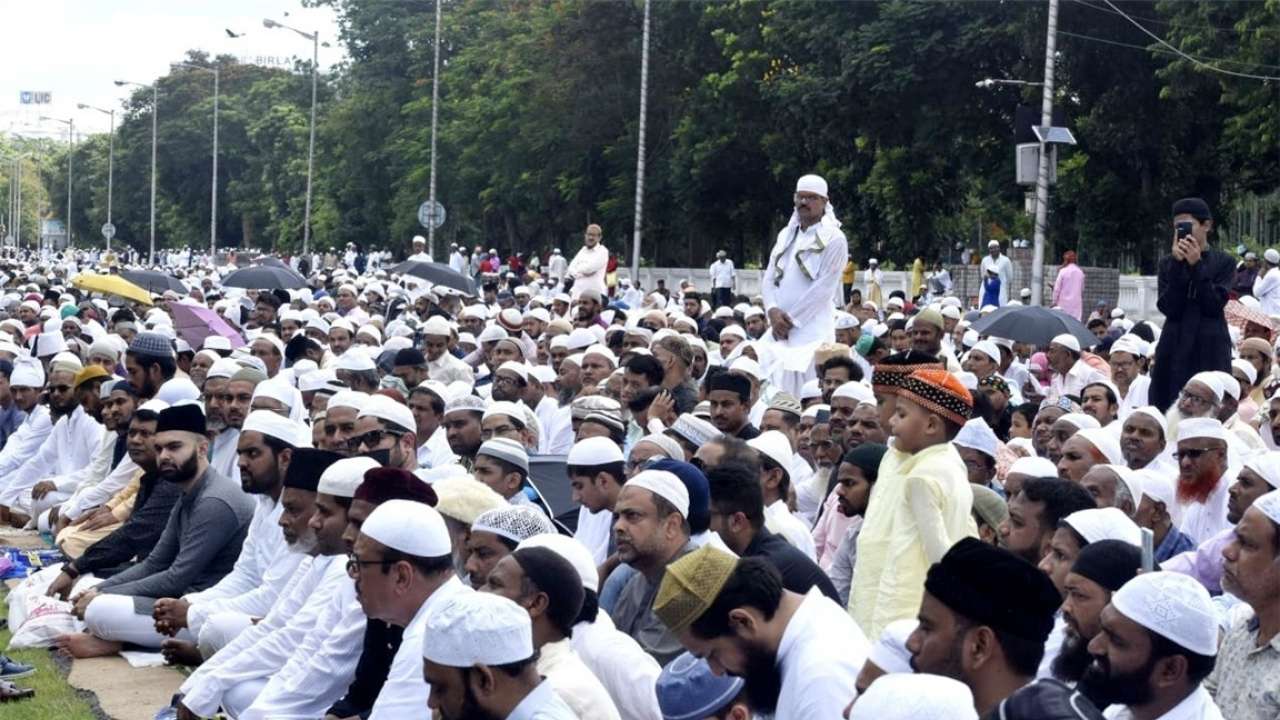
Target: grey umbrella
{"x": 154, "y": 281}
{"x": 1033, "y": 324}
{"x": 437, "y": 274}
{"x": 265, "y": 277}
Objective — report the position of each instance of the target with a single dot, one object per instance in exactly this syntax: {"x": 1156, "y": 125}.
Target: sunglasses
{"x": 371, "y": 438}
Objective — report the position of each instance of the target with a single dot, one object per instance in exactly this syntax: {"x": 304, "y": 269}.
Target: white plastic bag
{"x": 33, "y": 586}
{"x": 47, "y": 618}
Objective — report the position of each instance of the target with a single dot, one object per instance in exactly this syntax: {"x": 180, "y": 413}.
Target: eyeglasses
{"x": 1193, "y": 454}
{"x": 1196, "y": 399}
{"x": 371, "y": 438}
{"x": 354, "y": 563}
{"x": 805, "y": 198}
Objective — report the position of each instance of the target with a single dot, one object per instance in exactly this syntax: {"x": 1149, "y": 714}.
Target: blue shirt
{"x": 10, "y": 418}
{"x": 1175, "y": 542}
{"x": 542, "y": 704}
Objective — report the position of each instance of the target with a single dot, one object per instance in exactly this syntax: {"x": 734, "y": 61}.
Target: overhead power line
{"x": 1193, "y": 60}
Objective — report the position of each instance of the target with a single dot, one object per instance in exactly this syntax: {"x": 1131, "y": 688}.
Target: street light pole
{"x": 314, "y": 37}
{"x": 1042, "y": 176}
{"x": 435, "y": 102}
{"x": 213, "y": 200}
{"x": 155, "y": 112}
{"x": 644, "y": 104}
{"x": 71, "y": 147}
{"x": 111, "y": 157}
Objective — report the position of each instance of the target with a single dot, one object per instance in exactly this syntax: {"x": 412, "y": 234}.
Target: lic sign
{"x": 28, "y": 97}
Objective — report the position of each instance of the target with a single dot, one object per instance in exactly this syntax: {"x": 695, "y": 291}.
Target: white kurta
{"x": 25, "y": 441}
{"x": 1266, "y": 288}
{"x": 222, "y": 454}
{"x": 1201, "y": 521}
{"x": 322, "y": 665}
{"x": 779, "y": 520}
{"x": 1196, "y": 706}
{"x": 435, "y": 451}
{"x": 574, "y": 682}
{"x": 67, "y": 448}
{"x": 588, "y": 269}
{"x": 262, "y": 649}
{"x": 819, "y": 657}
{"x": 593, "y": 532}
{"x": 628, "y": 673}
{"x": 260, "y": 573}
{"x": 1004, "y": 268}
{"x": 91, "y": 494}
{"x": 722, "y": 274}
{"x": 811, "y": 261}
{"x": 1135, "y": 398}
{"x": 556, "y": 266}
{"x": 404, "y": 695}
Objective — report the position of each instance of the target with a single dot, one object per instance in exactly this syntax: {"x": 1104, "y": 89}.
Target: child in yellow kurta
{"x": 920, "y": 506}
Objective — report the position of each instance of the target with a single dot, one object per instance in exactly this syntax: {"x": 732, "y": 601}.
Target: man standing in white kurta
{"x": 800, "y": 284}
{"x": 588, "y": 266}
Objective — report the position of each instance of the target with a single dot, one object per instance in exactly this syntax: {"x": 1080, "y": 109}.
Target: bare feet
{"x": 181, "y": 652}
{"x": 84, "y": 645}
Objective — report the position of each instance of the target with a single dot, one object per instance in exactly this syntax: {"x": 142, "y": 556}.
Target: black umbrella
{"x": 1033, "y": 325}
{"x": 265, "y": 277}
{"x": 270, "y": 261}
{"x": 437, "y": 274}
{"x": 154, "y": 281}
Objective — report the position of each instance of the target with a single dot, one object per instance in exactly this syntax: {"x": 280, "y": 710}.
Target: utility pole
{"x": 1042, "y": 177}
{"x": 644, "y": 105}
{"x": 435, "y": 103}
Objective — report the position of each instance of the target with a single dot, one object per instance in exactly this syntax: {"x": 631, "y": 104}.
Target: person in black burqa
{"x": 1194, "y": 282}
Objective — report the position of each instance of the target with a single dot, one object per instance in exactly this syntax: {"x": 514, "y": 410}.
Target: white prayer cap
{"x": 65, "y": 361}
{"x": 950, "y": 312}
{"x": 355, "y": 360}
{"x": 27, "y": 372}
{"x": 813, "y": 410}
{"x": 343, "y": 477}
{"x": 855, "y": 390}
{"x": 1244, "y": 366}
{"x": 1210, "y": 428}
{"x": 1173, "y": 606}
{"x": 1080, "y": 421}
{"x": 570, "y": 549}
{"x": 1108, "y": 523}
{"x": 435, "y": 387}
{"x": 276, "y": 389}
{"x": 776, "y": 446}
{"x": 272, "y": 340}
{"x": 1033, "y": 467}
{"x": 222, "y": 368}
{"x": 602, "y": 351}
{"x": 594, "y": 451}
{"x": 968, "y": 380}
{"x": 812, "y": 184}
{"x": 731, "y": 330}
{"x": 1272, "y": 256}
{"x": 1130, "y": 479}
{"x": 1266, "y": 465}
{"x": 460, "y": 401}
{"x": 915, "y": 696}
{"x": 1161, "y": 487}
{"x": 461, "y": 496}
{"x": 388, "y": 410}
{"x": 514, "y": 522}
{"x": 844, "y": 321}
{"x": 343, "y": 324}
{"x": 988, "y": 348}
{"x": 1154, "y": 413}
{"x": 279, "y": 427}
{"x": 177, "y": 389}
{"x": 810, "y": 390}
{"x": 977, "y": 435}
{"x": 666, "y": 485}
{"x": 1228, "y": 383}
{"x": 318, "y": 323}
{"x": 969, "y": 338}
{"x": 411, "y": 527}
{"x": 1067, "y": 341}
{"x": 349, "y": 399}
{"x": 1131, "y": 344}
{"x": 560, "y": 341}
{"x": 890, "y": 653}
{"x": 1106, "y": 441}
{"x": 315, "y": 380}
{"x": 543, "y": 373}
{"x": 581, "y": 338}
{"x": 744, "y": 364}
{"x": 477, "y": 628}
{"x": 539, "y": 314}
{"x": 505, "y": 449}
{"x": 1211, "y": 381}
{"x": 492, "y": 333}
{"x": 1269, "y": 505}
{"x": 436, "y": 325}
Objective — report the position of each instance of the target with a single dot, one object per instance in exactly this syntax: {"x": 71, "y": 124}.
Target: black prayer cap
{"x": 306, "y": 465}
{"x": 186, "y": 417}
{"x": 993, "y": 587}
{"x": 297, "y": 347}
{"x": 1110, "y": 563}
{"x": 733, "y": 383}
{"x": 1193, "y": 206}
{"x": 409, "y": 356}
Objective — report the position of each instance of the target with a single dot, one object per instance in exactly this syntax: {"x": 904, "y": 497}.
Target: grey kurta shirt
{"x": 199, "y": 545}
{"x": 633, "y": 615}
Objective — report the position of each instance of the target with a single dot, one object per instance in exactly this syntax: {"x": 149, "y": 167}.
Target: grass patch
{"x": 55, "y": 699}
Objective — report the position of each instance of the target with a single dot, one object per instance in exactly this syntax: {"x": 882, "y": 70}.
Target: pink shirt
{"x": 1068, "y": 290}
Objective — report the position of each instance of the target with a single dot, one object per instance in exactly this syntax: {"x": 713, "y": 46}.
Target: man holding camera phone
{"x": 1194, "y": 280}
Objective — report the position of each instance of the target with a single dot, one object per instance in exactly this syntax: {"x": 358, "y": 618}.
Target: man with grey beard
{"x": 223, "y": 437}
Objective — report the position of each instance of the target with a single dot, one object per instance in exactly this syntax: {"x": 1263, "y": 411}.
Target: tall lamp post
{"x": 111, "y": 158}
{"x": 435, "y": 103}
{"x": 71, "y": 147}
{"x": 314, "y": 37}
{"x": 213, "y": 200}
{"x": 644, "y": 104}
{"x": 1042, "y": 176}
{"x": 155, "y": 112}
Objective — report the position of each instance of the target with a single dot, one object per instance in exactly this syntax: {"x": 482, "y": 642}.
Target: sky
{"x": 76, "y": 49}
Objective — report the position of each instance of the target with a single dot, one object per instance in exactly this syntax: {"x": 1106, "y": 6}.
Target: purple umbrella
{"x": 194, "y": 323}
